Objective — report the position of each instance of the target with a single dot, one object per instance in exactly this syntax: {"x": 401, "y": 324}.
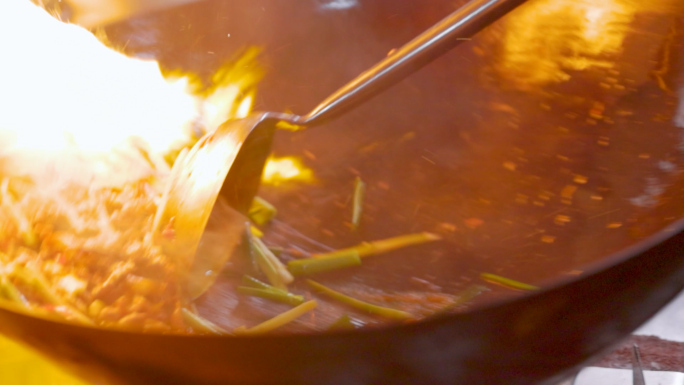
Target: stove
{"x": 662, "y": 357}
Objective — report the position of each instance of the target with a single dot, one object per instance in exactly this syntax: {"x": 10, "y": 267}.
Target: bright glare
{"x": 289, "y": 168}
{"x": 546, "y": 38}
{"x": 64, "y": 94}
{"x": 63, "y": 88}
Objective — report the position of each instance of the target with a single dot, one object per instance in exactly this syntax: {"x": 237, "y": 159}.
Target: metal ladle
{"x": 200, "y": 230}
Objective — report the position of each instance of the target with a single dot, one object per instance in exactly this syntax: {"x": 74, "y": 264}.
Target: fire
{"x": 546, "y": 38}
{"x": 87, "y": 139}
{"x": 289, "y": 168}
{"x": 92, "y": 13}
{"x": 65, "y": 92}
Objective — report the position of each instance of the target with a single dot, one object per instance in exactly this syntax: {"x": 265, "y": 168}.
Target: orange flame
{"x": 65, "y": 93}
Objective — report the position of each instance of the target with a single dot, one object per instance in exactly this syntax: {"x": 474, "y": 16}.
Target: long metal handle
{"x": 442, "y": 37}
{"x": 637, "y": 368}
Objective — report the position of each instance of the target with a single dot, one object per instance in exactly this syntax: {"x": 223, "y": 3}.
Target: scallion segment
{"x": 309, "y": 266}
{"x": 465, "y": 296}
{"x": 279, "y": 320}
{"x": 261, "y": 211}
{"x": 9, "y": 291}
{"x": 39, "y": 284}
{"x": 200, "y": 324}
{"x": 507, "y": 282}
{"x": 272, "y": 294}
{"x": 249, "y": 236}
{"x": 268, "y": 263}
{"x": 357, "y": 202}
{"x": 256, "y": 232}
{"x": 385, "y": 245}
{"x": 345, "y": 322}
{"x": 358, "y": 304}
{"x": 253, "y": 282}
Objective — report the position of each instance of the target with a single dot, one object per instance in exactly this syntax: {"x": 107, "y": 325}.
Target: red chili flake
{"x": 169, "y": 232}
{"x": 473, "y": 223}
{"x": 311, "y": 156}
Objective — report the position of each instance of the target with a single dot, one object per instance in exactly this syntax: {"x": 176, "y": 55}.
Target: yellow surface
{"x": 21, "y": 366}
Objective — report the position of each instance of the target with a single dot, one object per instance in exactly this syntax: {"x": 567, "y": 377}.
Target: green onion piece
{"x": 270, "y": 265}
{"x": 279, "y": 320}
{"x": 384, "y": 245}
{"x": 249, "y": 235}
{"x": 24, "y": 225}
{"x": 357, "y": 207}
{"x": 507, "y": 282}
{"x": 343, "y": 323}
{"x": 13, "y": 294}
{"x": 308, "y": 266}
{"x": 255, "y": 230}
{"x": 37, "y": 282}
{"x": 465, "y": 296}
{"x": 253, "y": 282}
{"x": 200, "y": 324}
{"x": 272, "y": 294}
{"x": 468, "y": 294}
{"x": 364, "y": 306}
{"x": 261, "y": 211}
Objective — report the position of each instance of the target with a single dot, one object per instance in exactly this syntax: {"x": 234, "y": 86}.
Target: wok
{"x": 476, "y": 147}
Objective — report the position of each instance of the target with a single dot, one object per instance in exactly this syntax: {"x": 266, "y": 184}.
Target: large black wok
{"x": 544, "y": 150}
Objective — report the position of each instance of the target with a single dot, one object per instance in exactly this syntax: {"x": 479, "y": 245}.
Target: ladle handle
{"x": 440, "y": 38}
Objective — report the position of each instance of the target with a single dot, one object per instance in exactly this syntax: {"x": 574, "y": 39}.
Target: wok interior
{"x": 472, "y": 148}
{"x": 530, "y": 179}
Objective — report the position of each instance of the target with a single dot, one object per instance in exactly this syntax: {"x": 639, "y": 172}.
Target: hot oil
{"x": 519, "y": 181}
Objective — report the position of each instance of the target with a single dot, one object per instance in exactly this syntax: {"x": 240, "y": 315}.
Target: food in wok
{"x": 84, "y": 252}
{"x": 83, "y": 249}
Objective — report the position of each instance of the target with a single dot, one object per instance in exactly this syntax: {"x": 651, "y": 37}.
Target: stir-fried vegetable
{"x": 507, "y": 282}
{"x": 358, "y": 304}
{"x": 101, "y": 268}
{"x": 275, "y": 295}
{"x": 309, "y": 266}
{"x": 255, "y": 231}
{"x": 345, "y": 322}
{"x": 465, "y": 296}
{"x": 383, "y": 246}
{"x": 279, "y": 320}
{"x": 39, "y": 285}
{"x": 201, "y": 325}
{"x": 254, "y": 287}
{"x": 255, "y": 283}
{"x": 268, "y": 263}
{"x": 10, "y": 292}
{"x": 357, "y": 202}
{"x": 261, "y": 211}
{"x": 10, "y": 205}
